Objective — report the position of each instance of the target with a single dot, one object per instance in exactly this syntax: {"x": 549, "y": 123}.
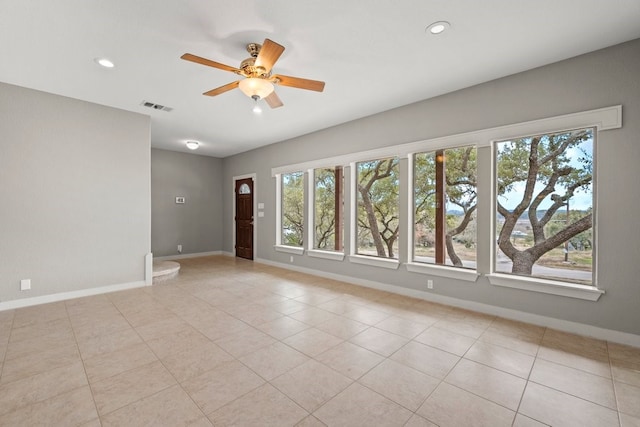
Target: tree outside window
{"x": 328, "y": 209}
{"x": 544, "y": 218}
{"x": 445, "y": 202}
{"x": 378, "y": 213}
{"x": 292, "y": 208}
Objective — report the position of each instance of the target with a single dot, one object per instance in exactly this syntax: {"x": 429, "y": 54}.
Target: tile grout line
{"x": 195, "y": 285}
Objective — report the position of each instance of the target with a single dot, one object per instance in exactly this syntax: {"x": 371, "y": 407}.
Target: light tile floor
{"x": 231, "y": 342}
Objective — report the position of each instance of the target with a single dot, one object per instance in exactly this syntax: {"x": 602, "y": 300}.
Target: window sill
{"x": 443, "y": 271}
{"x": 391, "y": 264}
{"x": 289, "y": 249}
{"x": 552, "y": 287}
{"x": 336, "y": 256}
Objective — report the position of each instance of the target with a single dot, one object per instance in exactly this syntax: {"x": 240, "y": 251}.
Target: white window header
{"x": 603, "y": 118}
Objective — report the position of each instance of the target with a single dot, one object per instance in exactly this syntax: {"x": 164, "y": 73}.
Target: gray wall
{"x": 599, "y": 79}
{"x": 74, "y": 194}
{"x": 197, "y": 224}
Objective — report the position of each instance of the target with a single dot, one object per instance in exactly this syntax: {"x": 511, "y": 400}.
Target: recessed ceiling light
{"x": 193, "y": 145}
{"x": 438, "y": 27}
{"x": 106, "y": 63}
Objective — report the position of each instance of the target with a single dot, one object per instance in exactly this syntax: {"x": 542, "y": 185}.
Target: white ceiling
{"x": 374, "y": 55}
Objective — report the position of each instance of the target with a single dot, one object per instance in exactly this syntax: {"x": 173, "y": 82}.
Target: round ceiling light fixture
{"x": 438, "y": 27}
{"x": 193, "y": 145}
{"x": 104, "y": 62}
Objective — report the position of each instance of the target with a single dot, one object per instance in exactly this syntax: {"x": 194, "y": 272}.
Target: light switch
{"x": 260, "y": 214}
{"x": 260, "y": 205}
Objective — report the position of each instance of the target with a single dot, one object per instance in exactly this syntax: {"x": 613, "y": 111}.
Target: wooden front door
{"x": 244, "y": 218}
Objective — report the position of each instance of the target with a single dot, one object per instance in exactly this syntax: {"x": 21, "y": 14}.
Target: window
{"x": 292, "y": 209}
{"x": 518, "y": 211}
{"x": 328, "y": 222}
{"x": 377, "y": 214}
{"x": 544, "y": 206}
{"x": 445, "y": 201}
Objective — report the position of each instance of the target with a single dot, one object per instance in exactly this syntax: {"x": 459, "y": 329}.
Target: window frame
{"x": 439, "y": 270}
{"x": 413, "y": 264}
{"x": 537, "y": 283}
{"x": 279, "y": 246}
{"x": 354, "y": 256}
{"x": 312, "y": 251}
{"x": 593, "y": 184}
{"x": 602, "y": 119}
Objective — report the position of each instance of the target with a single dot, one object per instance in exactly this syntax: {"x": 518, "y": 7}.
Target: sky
{"x": 581, "y": 200}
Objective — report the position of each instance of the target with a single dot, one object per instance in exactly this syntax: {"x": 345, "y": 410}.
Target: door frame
{"x": 255, "y": 212}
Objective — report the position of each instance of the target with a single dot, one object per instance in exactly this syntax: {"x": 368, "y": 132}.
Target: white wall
{"x": 74, "y": 194}
{"x": 599, "y": 79}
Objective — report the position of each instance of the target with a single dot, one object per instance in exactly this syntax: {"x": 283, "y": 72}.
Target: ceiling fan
{"x": 258, "y": 81}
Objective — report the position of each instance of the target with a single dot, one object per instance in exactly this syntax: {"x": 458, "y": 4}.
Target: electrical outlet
{"x": 429, "y": 284}
{"x": 25, "y": 284}
{"x": 179, "y": 249}
{"x": 291, "y": 258}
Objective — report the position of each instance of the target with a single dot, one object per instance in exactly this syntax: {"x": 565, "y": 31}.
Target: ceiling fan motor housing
{"x": 248, "y": 66}
{"x": 249, "y": 69}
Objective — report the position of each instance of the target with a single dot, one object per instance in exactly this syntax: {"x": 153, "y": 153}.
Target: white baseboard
{"x": 62, "y": 296}
{"x": 550, "y": 322}
{"x": 184, "y": 256}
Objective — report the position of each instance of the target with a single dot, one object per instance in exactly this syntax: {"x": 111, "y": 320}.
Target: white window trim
{"x": 344, "y": 160}
{"x": 317, "y": 253}
{"x": 354, "y": 257}
{"x": 413, "y": 265}
{"x": 278, "y": 209}
{"x": 390, "y": 263}
{"x": 353, "y": 210}
{"x": 602, "y": 119}
{"x": 411, "y": 217}
{"x": 279, "y": 247}
{"x": 289, "y": 249}
{"x": 311, "y": 209}
{"x": 536, "y": 284}
{"x": 465, "y": 274}
{"x": 311, "y": 220}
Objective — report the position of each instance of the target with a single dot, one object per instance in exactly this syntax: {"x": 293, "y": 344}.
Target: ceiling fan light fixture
{"x": 253, "y": 86}
{"x": 256, "y": 107}
{"x": 193, "y": 145}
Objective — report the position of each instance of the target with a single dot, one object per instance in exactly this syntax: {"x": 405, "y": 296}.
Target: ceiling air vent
{"x": 156, "y": 106}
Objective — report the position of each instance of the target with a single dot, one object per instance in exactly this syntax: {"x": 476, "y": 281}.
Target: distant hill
{"x": 540, "y": 213}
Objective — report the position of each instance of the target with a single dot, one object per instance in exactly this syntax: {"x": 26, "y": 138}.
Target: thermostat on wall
{"x": 180, "y": 200}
